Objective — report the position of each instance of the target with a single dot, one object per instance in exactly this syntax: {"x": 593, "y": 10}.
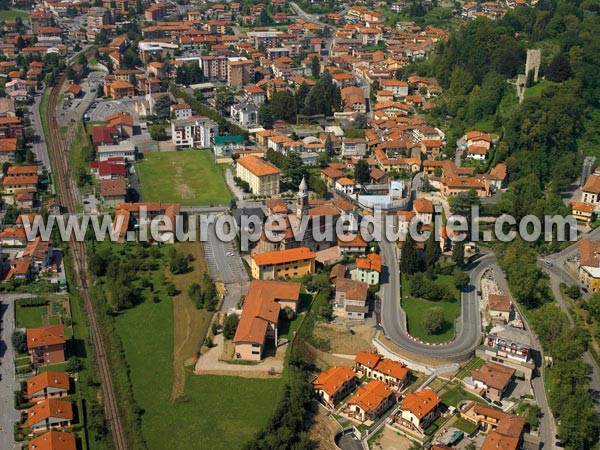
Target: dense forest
{"x": 542, "y": 140}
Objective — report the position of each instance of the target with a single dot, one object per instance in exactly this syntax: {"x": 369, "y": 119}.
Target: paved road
{"x": 559, "y": 275}
{"x": 8, "y": 384}
{"x": 468, "y": 332}
{"x": 39, "y": 145}
{"x": 547, "y": 424}
{"x": 226, "y": 266}
{"x": 305, "y": 16}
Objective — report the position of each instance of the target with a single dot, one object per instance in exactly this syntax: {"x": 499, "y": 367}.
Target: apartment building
{"x": 262, "y": 176}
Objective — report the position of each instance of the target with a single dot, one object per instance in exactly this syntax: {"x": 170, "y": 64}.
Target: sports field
{"x": 10, "y": 14}
{"x": 188, "y": 177}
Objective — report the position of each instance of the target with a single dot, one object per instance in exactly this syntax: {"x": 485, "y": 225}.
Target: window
{"x": 256, "y": 353}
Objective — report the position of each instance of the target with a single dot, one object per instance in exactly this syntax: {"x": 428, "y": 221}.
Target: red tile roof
{"x": 283, "y": 256}
{"x": 42, "y": 336}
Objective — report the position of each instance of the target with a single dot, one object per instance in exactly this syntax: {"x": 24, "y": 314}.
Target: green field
{"x": 188, "y": 177}
{"x": 28, "y": 317}
{"x": 415, "y": 307}
{"x": 455, "y": 394}
{"x": 10, "y": 15}
{"x": 216, "y": 412}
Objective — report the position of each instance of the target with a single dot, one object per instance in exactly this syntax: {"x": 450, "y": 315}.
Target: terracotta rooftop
{"x": 499, "y": 302}
{"x": 258, "y": 166}
{"x": 283, "y": 256}
{"x": 494, "y": 375}
{"x": 369, "y": 397}
{"x": 54, "y": 380}
{"x": 42, "y": 336}
{"x": 421, "y": 403}
{"x": 54, "y": 440}
{"x": 49, "y": 408}
{"x": 332, "y": 380}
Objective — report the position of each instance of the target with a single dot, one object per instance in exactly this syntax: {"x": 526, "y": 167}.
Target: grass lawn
{"x": 188, "y": 177}
{"x": 415, "y": 307}
{"x": 473, "y": 364}
{"x": 29, "y": 316}
{"x": 11, "y": 15}
{"x": 465, "y": 425}
{"x": 215, "y": 412}
{"x": 455, "y": 394}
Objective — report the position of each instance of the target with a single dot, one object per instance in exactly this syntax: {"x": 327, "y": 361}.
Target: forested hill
{"x": 543, "y": 139}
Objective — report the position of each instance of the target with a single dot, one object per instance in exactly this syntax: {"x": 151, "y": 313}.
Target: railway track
{"x": 69, "y": 196}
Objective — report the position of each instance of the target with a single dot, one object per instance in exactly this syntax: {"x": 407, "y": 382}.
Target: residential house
{"x": 50, "y": 413}
{"x": 109, "y": 169}
{"x": 589, "y": 265}
{"x": 345, "y": 185}
{"x": 290, "y": 263}
{"x": 54, "y": 440}
{"x": 368, "y": 269}
{"x": 504, "y": 430}
{"x": 351, "y": 244}
{"x": 123, "y": 122}
{"x": 262, "y": 176}
{"x": 8, "y": 150}
{"x": 246, "y": 114}
{"x": 196, "y": 131}
{"x": 418, "y": 410}
{"x": 350, "y": 299}
{"x": 334, "y": 384}
{"x": 140, "y": 215}
{"x": 105, "y": 136}
{"x": 119, "y": 89}
{"x": 591, "y": 190}
{"x": 370, "y": 401}
{"x": 47, "y": 385}
{"x": 508, "y": 344}
{"x": 372, "y": 365}
{"x": 113, "y": 191}
{"x": 423, "y": 209}
{"x": 583, "y": 212}
{"x": 493, "y": 379}
{"x": 353, "y": 99}
{"x": 330, "y": 175}
{"x": 477, "y": 138}
{"x": 260, "y": 316}
{"x": 46, "y": 345}
{"x": 499, "y": 307}
{"x": 354, "y": 147}
{"x": 181, "y": 111}
{"x": 398, "y": 88}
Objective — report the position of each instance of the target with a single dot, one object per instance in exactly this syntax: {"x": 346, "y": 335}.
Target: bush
{"x": 433, "y": 320}
{"x": 230, "y": 326}
{"x": 37, "y": 301}
{"x": 19, "y": 341}
{"x": 73, "y": 365}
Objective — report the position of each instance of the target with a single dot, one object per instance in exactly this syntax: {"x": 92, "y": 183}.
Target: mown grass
{"x": 415, "y": 308}
{"x": 11, "y": 15}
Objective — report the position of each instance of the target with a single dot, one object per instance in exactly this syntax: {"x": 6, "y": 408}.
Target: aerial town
{"x": 276, "y": 224}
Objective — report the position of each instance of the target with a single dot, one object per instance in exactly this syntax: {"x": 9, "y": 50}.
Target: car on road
{"x": 497, "y": 403}
{"x": 230, "y": 253}
{"x": 548, "y": 263}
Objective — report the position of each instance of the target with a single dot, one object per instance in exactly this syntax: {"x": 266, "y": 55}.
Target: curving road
{"x": 393, "y": 318}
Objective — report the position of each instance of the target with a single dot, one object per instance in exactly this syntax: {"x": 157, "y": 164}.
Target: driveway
{"x": 8, "y": 384}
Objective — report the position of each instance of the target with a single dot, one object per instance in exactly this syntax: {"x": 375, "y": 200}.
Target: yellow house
{"x": 291, "y": 263}
{"x": 261, "y": 175}
{"x": 589, "y": 265}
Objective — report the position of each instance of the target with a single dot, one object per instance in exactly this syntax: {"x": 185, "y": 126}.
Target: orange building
{"x": 46, "y": 345}
{"x": 290, "y": 263}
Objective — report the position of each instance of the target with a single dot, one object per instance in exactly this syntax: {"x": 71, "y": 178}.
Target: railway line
{"x": 69, "y": 196}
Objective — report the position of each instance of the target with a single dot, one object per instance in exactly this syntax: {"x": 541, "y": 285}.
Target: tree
{"x": 162, "y": 107}
{"x": 458, "y": 253}
{"x": 461, "y": 279}
{"x": 158, "y": 132}
{"x": 315, "y": 67}
{"x": 178, "y": 262}
{"x": 195, "y": 294}
{"x": 230, "y": 326}
{"x": 19, "y": 341}
{"x": 329, "y": 150}
{"x": 223, "y": 100}
{"x": 73, "y": 365}
{"x": 265, "y": 116}
{"x": 433, "y": 251}
{"x": 433, "y": 320}
{"x": 361, "y": 122}
{"x": 559, "y": 69}
{"x": 361, "y": 171}
{"x": 409, "y": 260}
{"x": 594, "y": 305}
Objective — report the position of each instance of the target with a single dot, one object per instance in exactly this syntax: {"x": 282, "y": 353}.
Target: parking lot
{"x": 105, "y": 108}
